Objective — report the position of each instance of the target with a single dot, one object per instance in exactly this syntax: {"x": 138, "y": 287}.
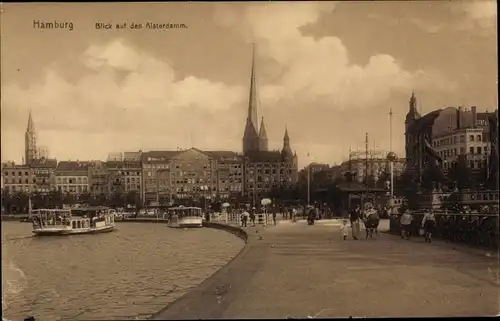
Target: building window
{"x": 462, "y": 150}
{"x": 479, "y": 150}
{"x": 462, "y": 138}
{"x": 478, "y": 138}
{"x": 471, "y": 150}
{"x": 471, "y": 138}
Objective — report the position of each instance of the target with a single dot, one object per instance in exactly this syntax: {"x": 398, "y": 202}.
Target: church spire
{"x": 262, "y": 136}
{"x": 286, "y": 152}
{"x": 251, "y": 141}
{"x": 31, "y": 126}
{"x": 413, "y": 102}
{"x": 30, "y": 149}
{"x": 252, "y": 100}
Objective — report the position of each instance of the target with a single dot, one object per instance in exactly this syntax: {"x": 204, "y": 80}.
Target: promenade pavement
{"x": 296, "y": 270}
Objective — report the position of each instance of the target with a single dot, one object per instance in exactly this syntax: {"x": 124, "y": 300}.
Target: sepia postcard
{"x": 350, "y": 149}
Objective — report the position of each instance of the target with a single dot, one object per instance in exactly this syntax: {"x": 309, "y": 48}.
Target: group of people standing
{"x": 246, "y": 217}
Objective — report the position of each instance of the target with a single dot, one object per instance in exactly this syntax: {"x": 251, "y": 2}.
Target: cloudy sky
{"x": 329, "y": 72}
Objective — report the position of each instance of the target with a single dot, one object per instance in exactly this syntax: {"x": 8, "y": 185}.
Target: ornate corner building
{"x": 443, "y": 137}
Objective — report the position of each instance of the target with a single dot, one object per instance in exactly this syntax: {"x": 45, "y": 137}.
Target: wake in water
{"x": 20, "y": 238}
{"x": 13, "y": 284}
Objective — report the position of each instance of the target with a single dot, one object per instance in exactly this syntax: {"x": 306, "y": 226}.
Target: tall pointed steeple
{"x": 412, "y": 110}
{"x": 286, "y": 152}
{"x": 30, "y": 150}
{"x": 252, "y": 100}
{"x": 31, "y": 125}
{"x": 262, "y": 136}
{"x": 413, "y": 101}
{"x": 251, "y": 141}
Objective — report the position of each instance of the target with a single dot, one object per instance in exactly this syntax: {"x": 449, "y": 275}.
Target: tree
{"x": 6, "y": 201}
{"x": 407, "y": 185}
{"x": 117, "y": 199}
{"x": 84, "y": 198}
{"x": 460, "y": 175}
{"x": 133, "y": 198}
{"x": 55, "y": 199}
{"x": 68, "y": 199}
{"x": 20, "y": 201}
{"x": 98, "y": 200}
{"x": 39, "y": 200}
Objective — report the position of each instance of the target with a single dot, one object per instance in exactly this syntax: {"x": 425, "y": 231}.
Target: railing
{"x": 479, "y": 229}
{"x": 235, "y": 218}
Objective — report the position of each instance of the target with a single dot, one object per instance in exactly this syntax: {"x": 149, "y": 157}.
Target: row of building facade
{"x": 157, "y": 175}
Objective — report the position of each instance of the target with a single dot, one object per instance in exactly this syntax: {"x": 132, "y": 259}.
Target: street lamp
{"x": 204, "y": 189}
{"x": 392, "y": 157}
{"x": 308, "y": 179}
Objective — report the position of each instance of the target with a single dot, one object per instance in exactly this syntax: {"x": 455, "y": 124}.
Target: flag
{"x": 432, "y": 151}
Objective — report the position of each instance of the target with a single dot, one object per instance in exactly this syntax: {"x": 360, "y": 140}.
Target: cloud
{"x": 126, "y": 98}
{"x": 482, "y": 13}
{"x": 315, "y": 70}
{"x": 122, "y": 92}
{"x": 427, "y": 26}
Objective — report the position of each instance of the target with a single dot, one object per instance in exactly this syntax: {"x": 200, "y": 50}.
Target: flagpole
{"x": 308, "y": 180}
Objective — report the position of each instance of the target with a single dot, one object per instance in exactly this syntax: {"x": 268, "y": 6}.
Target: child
{"x": 344, "y": 229}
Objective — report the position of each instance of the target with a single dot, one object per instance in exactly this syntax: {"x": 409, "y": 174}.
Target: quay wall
{"x": 238, "y": 231}
{"x": 210, "y": 298}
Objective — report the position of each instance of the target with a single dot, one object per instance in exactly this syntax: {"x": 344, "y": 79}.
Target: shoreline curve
{"x": 210, "y": 298}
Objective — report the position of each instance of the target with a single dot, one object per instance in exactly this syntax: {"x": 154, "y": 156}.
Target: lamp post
{"x": 204, "y": 188}
{"x": 308, "y": 179}
{"x": 391, "y": 157}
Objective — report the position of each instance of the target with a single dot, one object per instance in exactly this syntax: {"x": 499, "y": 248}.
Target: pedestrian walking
{"x": 354, "y": 218}
{"x": 252, "y": 216}
{"x": 244, "y": 219}
{"x": 344, "y": 230}
{"x": 274, "y": 217}
{"x": 428, "y": 224}
{"x": 405, "y": 221}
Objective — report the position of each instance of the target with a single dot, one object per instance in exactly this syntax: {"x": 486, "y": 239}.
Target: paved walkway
{"x": 298, "y": 270}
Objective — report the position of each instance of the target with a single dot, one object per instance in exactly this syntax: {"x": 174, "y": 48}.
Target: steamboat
{"x": 89, "y": 220}
{"x": 184, "y": 216}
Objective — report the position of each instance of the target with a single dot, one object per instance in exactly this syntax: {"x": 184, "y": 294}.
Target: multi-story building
{"x": 43, "y": 175}
{"x": 470, "y": 140}
{"x": 439, "y": 137}
{"x": 157, "y": 179}
{"x": 72, "y": 177}
{"x": 17, "y": 178}
{"x": 192, "y": 173}
{"x": 124, "y": 176}
{"x": 98, "y": 178}
{"x": 376, "y": 165}
{"x": 229, "y": 173}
